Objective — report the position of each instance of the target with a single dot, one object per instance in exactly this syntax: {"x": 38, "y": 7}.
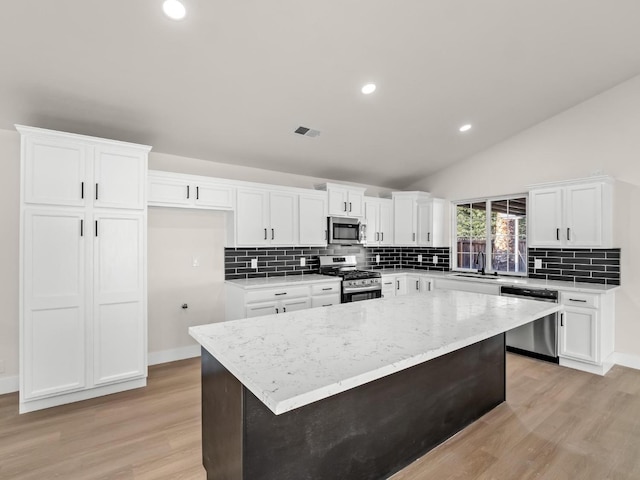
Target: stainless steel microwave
{"x": 347, "y": 231}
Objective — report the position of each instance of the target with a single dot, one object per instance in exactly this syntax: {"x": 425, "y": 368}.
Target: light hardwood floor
{"x": 557, "y": 424}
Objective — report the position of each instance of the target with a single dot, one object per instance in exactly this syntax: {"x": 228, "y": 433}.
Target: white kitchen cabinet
{"x": 119, "y": 297}
{"x": 418, "y": 284}
{"x": 587, "y": 331}
{"x": 433, "y": 223}
{"x": 83, "y": 268}
{"x": 420, "y": 220}
{"x": 266, "y": 217}
{"x": 388, "y": 286}
{"x": 344, "y": 200}
{"x": 248, "y": 302}
{"x": 378, "y": 216}
{"x": 54, "y": 303}
{"x": 312, "y": 219}
{"x": 575, "y": 214}
{"x": 167, "y": 189}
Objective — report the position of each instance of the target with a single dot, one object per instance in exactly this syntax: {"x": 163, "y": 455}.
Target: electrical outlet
{"x": 303, "y": 261}
{"x": 254, "y": 263}
{"x": 537, "y": 263}
{"x": 377, "y": 258}
{"x": 419, "y": 258}
{"x": 435, "y": 259}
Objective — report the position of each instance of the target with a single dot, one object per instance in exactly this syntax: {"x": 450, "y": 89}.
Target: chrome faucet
{"x": 480, "y": 256}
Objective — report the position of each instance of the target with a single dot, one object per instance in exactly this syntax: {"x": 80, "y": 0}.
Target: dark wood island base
{"x": 368, "y": 432}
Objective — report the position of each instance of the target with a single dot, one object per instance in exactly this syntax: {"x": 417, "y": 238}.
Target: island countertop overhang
{"x": 293, "y": 359}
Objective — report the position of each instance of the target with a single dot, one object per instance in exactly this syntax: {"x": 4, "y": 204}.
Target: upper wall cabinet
{"x": 72, "y": 170}
{"x": 344, "y": 200}
{"x": 168, "y": 189}
{"x": 420, "y": 220}
{"x": 312, "y": 219}
{"x": 265, "y": 217}
{"x": 574, "y": 214}
{"x": 379, "y": 218}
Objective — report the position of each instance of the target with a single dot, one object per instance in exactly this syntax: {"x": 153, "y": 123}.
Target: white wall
{"x": 601, "y": 135}
{"x": 9, "y": 249}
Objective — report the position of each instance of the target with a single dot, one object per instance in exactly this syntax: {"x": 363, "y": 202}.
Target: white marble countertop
{"x": 293, "y": 359}
{"x": 291, "y": 280}
{"x": 511, "y": 280}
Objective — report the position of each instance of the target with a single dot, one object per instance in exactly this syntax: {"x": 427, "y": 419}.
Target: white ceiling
{"x": 233, "y": 80}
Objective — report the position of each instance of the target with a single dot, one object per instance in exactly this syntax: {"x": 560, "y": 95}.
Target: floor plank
{"x": 557, "y": 424}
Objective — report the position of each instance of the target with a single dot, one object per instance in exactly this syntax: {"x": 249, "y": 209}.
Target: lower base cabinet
{"x": 247, "y": 301}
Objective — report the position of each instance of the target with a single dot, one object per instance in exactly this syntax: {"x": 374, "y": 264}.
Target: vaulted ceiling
{"x": 234, "y": 79}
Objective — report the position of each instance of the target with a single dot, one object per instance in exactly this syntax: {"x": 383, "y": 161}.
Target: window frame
{"x": 487, "y": 251}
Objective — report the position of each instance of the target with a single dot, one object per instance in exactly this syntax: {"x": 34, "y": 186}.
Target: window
{"x": 494, "y": 229}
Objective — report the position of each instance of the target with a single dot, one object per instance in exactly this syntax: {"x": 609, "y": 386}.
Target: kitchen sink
{"x": 476, "y": 275}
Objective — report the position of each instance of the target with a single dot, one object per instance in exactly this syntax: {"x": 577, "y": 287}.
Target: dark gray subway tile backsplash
{"x": 279, "y": 261}
{"x": 588, "y": 265}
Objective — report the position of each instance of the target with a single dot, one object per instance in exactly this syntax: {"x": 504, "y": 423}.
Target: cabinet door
{"x": 338, "y": 201}
{"x": 404, "y": 221}
{"x": 425, "y": 224}
{"x": 163, "y": 191}
{"x": 293, "y": 305}
{"x": 371, "y": 215}
{"x": 260, "y": 309}
{"x": 120, "y": 178}
{"x": 214, "y": 196}
{"x": 119, "y": 324}
{"x": 583, "y": 208}
{"x": 54, "y": 303}
{"x": 388, "y": 286}
{"x": 283, "y": 209}
{"x": 252, "y": 217}
{"x": 426, "y": 284}
{"x": 414, "y": 284}
{"x": 313, "y": 219}
{"x": 401, "y": 285}
{"x": 385, "y": 224}
{"x": 355, "y": 204}
{"x": 54, "y": 172}
{"x": 545, "y": 217}
{"x": 578, "y": 334}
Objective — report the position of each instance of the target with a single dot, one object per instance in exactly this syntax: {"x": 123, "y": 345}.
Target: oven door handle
{"x": 362, "y": 289}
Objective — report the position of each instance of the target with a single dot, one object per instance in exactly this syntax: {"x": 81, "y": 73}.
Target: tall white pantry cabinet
{"x": 83, "y": 312}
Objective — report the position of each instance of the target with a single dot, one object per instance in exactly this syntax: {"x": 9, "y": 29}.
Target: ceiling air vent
{"x": 307, "y": 132}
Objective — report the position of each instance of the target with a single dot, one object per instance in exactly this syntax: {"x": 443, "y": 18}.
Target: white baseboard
{"x": 165, "y": 356}
{"x": 628, "y": 360}
{"x": 9, "y": 384}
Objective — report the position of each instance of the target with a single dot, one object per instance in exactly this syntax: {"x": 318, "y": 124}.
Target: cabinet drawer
{"x": 325, "y": 300}
{"x": 325, "y": 289}
{"x": 580, "y": 299}
{"x": 283, "y": 293}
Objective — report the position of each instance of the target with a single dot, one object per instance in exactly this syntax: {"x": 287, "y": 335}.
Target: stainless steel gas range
{"x": 356, "y": 284}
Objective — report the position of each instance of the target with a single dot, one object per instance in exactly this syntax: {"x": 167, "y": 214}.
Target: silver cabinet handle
{"x": 388, "y": 283}
{"x": 82, "y": 190}
{"x": 197, "y": 193}
{"x": 327, "y": 305}
{"x": 187, "y": 191}
{"x": 417, "y": 284}
{"x": 414, "y": 237}
{"x": 345, "y": 206}
{"x": 96, "y": 191}
{"x": 557, "y": 234}
{"x": 568, "y": 234}
{"x": 278, "y": 294}
{"x": 96, "y": 228}
{"x": 272, "y": 234}
{"x": 577, "y": 300}
{"x": 265, "y": 233}
{"x": 428, "y": 236}
{"x": 81, "y": 228}
{"x": 382, "y": 236}
{"x": 284, "y": 309}
{"x": 562, "y": 319}
{"x": 328, "y": 288}
{"x": 397, "y": 284}
{"x": 277, "y": 311}
{"x": 350, "y": 209}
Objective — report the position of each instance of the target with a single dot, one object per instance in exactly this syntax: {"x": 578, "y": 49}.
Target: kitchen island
{"x": 356, "y": 390}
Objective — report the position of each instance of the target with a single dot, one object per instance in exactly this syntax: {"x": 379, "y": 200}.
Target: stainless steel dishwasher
{"x": 538, "y": 339}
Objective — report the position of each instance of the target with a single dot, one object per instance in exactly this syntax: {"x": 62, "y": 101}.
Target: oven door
{"x": 348, "y": 297}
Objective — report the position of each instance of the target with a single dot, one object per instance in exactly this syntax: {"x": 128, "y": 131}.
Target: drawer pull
{"x": 278, "y": 294}
{"x": 562, "y": 319}
{"x": 328, "y": 288}
{"x": 327, "y": 305}
{"x": 388, "y": 283}
{"x": 577, "y": 300}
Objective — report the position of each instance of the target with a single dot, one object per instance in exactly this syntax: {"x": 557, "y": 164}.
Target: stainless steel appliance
{"x": 356, "y": 284}
{"x": 346, "y": 231}
{"x": 538, "y": 339}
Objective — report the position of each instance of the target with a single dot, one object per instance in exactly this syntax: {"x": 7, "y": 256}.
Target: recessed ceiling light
{"x": 174, "y": 9}
{"x": 369, "y": 88}
{"x": 465, "y": 128}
